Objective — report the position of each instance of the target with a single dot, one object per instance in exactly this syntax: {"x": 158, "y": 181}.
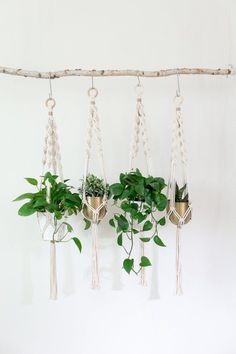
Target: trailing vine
{"x": 139, "y": 200}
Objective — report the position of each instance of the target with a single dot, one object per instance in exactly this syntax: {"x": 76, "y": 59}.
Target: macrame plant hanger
{"x": 94, "y": 210}
{"x": 140, "y": 133}
{"x": 50, "y": 229}
{"x": 179, "y": 213}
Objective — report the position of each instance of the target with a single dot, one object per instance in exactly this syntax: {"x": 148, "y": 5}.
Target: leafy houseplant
{"x": 138, "y": 199}
{"x": 95, "y": 189}
{"x": 181, "y": 194}
{"x": 54, "y": 200}
{"x": 181, "y": 205}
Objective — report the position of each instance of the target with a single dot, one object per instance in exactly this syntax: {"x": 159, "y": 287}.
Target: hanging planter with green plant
{"x": 139, "y": 200}
{"x": 54, "y": 202}
{"x": 179, "y": 209}
{"x": 181, "y": 206}
{"x": 95, "y": 189}
{"x": 56, "y": 209}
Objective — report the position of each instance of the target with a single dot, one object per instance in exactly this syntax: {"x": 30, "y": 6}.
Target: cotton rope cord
{"x": 95, "y": 265}
{"x": 52, "y": 163}
{"x": 142, "y": 279}
{"x": 94, "y": 131}
{"x": 140, "y": 133}
{"x": 140, "y": 128}
{"x": 178, "y": 145}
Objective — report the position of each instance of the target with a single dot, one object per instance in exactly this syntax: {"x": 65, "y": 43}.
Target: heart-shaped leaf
{"x": 147, "y": 226}
{"x": 145, "y": 262}
{"x": 158, "y": 241}
{"x": 128, "y": 265}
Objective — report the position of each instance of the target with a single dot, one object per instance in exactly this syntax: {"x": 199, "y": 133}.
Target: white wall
{"x": 121, "y": 317}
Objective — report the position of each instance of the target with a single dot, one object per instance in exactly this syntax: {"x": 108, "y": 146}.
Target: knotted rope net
{"x": 178, "y": 162}
{"x": 51, "y": 230}
{"x": 140, "y": 134}
{"x": 94, "y": 131}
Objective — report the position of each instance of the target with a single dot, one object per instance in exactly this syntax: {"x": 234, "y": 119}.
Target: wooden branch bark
{"x": 103, "y": 73}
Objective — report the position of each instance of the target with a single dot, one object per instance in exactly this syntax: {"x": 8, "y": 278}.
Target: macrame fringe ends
{"x": 143, "y": 280}
{"x": 94, "y": 209}
{"x": 53, "y": 271}
{"x": 95, "y": 269}
{"x": 179, "y": 290}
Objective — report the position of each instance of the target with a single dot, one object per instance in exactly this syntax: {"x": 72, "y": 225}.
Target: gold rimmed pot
{"x": 95, "y": 203}
{"x": 181, "y": 208}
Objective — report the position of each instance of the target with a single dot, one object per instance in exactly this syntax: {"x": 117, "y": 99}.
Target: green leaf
{"x": 145, "y": 239}
{"x": 123, "y": 223}
{"x": 125, "y": 206}
{"x": 139, "y": 188}
{"x": 140, "y": 217}
{"x": 58, "y": 215}
{"x": 112, "y": 222}
{"x": 24, "y": 196}
{"x": 32, "y": 181}
{"x": 69, "y": 227}
{"x": 147, "y": 226}
{"x": 116, "y": 189}
{"x": 135, "y": 231}
{"x": 145, "y": 262}
{"x": 162, "y": 221}
{"x": 158, "y": 241}
{"x": 87, "y": 224}
{"x": 26, "y": 209}
{"x": 120, "y": 240}
{"x": 161, "y": 202}
{"x": 128, "y": 265}
{"x": 78, "y": 243}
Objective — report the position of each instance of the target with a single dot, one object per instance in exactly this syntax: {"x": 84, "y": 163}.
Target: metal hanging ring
{"x": 50, "y": 103}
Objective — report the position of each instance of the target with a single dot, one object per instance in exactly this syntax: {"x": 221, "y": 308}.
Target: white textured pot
{"x": 48, "y": 227}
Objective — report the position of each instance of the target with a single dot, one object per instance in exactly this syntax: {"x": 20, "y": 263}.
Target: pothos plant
{"x": 62, "y": 202}
{"x": 138, "y": 199}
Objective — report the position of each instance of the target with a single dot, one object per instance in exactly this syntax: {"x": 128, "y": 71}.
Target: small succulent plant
{"x": 94, "y": 186}
{"x": 181, "y": 194}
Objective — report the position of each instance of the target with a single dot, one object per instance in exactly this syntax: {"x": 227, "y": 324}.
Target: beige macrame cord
{"x": 94, "y": 130}
{"x": 140, "y": 133}
{"x": 178, "y": 145}
{"x": 52, "y": 163}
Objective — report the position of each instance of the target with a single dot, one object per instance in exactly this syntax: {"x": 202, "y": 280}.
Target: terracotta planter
{"x": 181, "y": 208}
{"x": 95, "y": 203}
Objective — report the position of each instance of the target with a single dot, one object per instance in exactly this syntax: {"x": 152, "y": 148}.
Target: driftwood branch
{"x": 103, "y": 73}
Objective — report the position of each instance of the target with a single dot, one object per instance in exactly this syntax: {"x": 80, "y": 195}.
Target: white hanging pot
{"x": 51, "y": 230}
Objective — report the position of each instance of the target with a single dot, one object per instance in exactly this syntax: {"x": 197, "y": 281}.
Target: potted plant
{"x": 181, "y": 206}
{"x": 139, "y": 199}
{"x": 95, "y": 190}
{"x": 53, "y": 202}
